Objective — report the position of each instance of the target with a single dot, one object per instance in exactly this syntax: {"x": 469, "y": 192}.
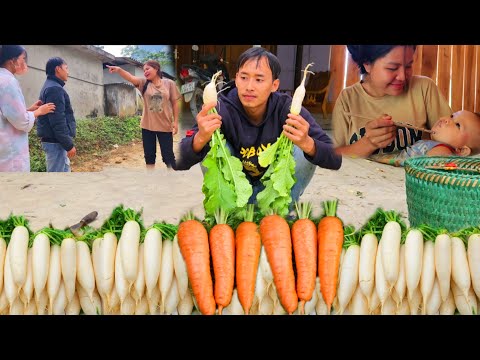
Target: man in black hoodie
{"x": 57, "y": 129}
{"x": 252, "y": 115}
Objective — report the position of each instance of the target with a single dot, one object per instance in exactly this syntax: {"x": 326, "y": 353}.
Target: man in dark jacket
{"x": 252, "y": 115}
{"x": 57, "y": 129}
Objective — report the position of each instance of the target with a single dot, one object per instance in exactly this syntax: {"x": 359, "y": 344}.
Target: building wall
{"x": 120, "y": 100}
{"x": 85, "y": 82}
{"x": 116, "y": 79}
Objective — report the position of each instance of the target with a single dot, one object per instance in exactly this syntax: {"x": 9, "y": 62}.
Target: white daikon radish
{"x": 473, "y": 254}
{"x": 85, "y": 274}
{"x": 348, "y": 277}
{"x": 166, "y": 272}
{"x": 54, "y": 276}
{"x": 185, "y": 305}
{"x": 358, "y": 304}
{"x": 73, "y": 307}
{"x": 466, "y": 305}
{"x": 299, "y": 94}
{"x": 266, "y": 270}
{"x": 139, "y": 285}
{"x": 152, "y": 258}
{"x": 61, "y": 301}
{"x": 443, "y": 263}
{"x": 366, "y": 271}
{"x": 17, "y": 307}
{"x": 260, "y": 286}
{"x": 389, "y": 308}
{"x": 97, "y": 268}
{"x": 154, "y": 301}
{"x": 381, "y": 285}
{"x": 30, "y": 309}
{"x": 401, "y": 284}
{"x": 89, "y": 306}
{"x": 448, "y": 306}
{"x": 128, "y": 306}
{"x": 310, "y": 304}
{"x": 460, "y": 269}
{"x": 413, "y": 260}
{"x": 68, "y": 262}
{"x": 428, "y": 273}
{"x": 121, "y": 283}
{"x": 266, "y": 306}
{"x": 26, "y": 293}
{"x": 374, "y": 302}
{"x": 108, "y": 252}
{"x": 172, "y": 298}
{"x": 391, "y": 236}
{"x": 435, "y": 299}
{"x": 10, "y": 288}
{"x": 142, "y": 307}
{"x": 129, "y": 243}
{"x": 40, "y": 263}
{"x": 3, "y": 252}
{"x": 42, "y": 303}
{"x": 278, "y": 308}
{"x": 403, "y": 309}
{"x": 415, "y": 302}
{"x": 321, "y": 307}
{"x": 18, "y": 246}
{"x": 210, "y": 90}
{"x": 235, "y": 307}
{"x": 180, "y": 268}
{"x": 3, "y": 302}
{"x": 114, "y": 300}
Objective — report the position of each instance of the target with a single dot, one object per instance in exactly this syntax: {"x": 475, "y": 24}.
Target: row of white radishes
{"x": 123, "y": 278}
{"x": 417, "y": 277}
{"x": 127, "y": 277}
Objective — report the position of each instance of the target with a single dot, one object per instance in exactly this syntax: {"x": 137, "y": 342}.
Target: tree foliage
{"x": 142, "y": 55}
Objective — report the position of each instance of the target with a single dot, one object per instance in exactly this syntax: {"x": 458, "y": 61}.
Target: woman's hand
{"x": 35, "y": 105}
{"x": 44, "y": 109}
{"x": 380, "y": 132}
{"x": 174, "y": 128}
{"x": 113, "y": 69}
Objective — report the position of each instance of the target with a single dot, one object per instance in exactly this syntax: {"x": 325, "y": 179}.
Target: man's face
{"x": 61, "y": 72}
{"x": 255, "y": 83}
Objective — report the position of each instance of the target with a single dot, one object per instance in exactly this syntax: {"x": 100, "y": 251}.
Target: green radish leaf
{"x": 267, "y": 156}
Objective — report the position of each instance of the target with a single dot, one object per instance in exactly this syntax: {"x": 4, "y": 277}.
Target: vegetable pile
{"x": 261, "y": 264}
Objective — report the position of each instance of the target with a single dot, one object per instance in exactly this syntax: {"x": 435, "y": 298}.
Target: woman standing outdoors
{"x": 387, "y": 87}
{"x": 160, "y": 111}
{"x": 15, "y": 119}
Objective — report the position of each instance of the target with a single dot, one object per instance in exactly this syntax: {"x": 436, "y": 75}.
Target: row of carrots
{"x": 235, "y": 257}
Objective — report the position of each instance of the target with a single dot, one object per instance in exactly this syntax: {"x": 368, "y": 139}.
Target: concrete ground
{"x": 63, "y": 199}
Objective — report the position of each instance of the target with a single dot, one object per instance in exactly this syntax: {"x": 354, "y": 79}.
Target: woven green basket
{"x": 443, "y": 196}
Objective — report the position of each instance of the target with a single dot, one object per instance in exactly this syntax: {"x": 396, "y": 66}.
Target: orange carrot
{"x": 193, "y": 242}
{"x": 304, "y": 239}
{"x": 222, "y": 247}
{"x": 330, "y": 242}
{"x": 275, "y": 235}
{"x": 247, "y": 239}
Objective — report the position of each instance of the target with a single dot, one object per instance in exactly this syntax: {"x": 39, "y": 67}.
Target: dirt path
{"x": 129, "y": 156}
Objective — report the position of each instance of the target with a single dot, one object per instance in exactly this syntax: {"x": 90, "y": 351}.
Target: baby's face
{"x": 462, "y": 128}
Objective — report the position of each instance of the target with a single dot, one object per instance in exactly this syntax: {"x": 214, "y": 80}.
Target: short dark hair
{"x": 9, "y": 52}
{"x": 258, "y": 53}
{"x": 52, "y": 64}
{"x": 362, "y": 54}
